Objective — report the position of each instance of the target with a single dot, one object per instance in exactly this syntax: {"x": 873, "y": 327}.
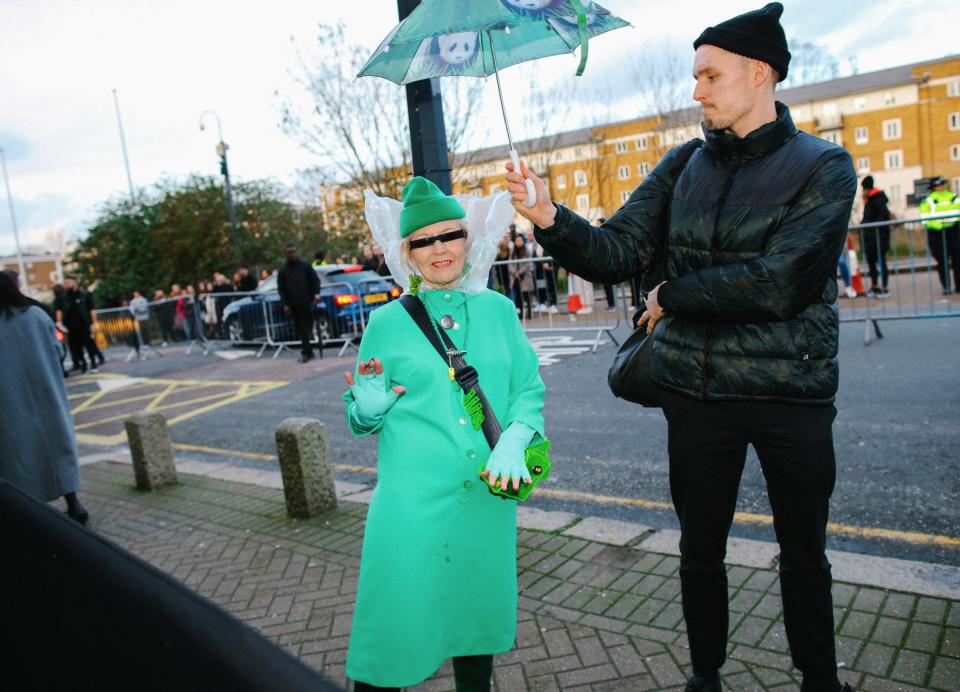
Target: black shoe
{"x": 304, "y": 358}
{"x": 79, "y": 514}
{"x": 703, "y": 683}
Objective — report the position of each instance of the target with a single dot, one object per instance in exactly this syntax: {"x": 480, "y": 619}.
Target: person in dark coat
{"x": 744, "y": 326}
{"x": 248, "y": 282}
{"x": 75, "y": 316}
{"x": 299, "y": 287}
{"x": 876, "y": 240}
{"x": 39, "y": 448}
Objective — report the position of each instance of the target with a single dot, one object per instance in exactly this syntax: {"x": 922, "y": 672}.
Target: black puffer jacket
{"x": 756, "y": 226}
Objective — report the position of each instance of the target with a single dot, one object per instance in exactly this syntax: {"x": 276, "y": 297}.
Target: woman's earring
{"x": 415, "y": 282}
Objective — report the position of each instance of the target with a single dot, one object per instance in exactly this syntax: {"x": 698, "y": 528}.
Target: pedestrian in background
{"x": 299, "y": 287}
{"x": 943, "y": 235}
{"x": 39, "y": 448}
{"x": 248, "y": 282}
{"x": 76, "y": 317}
{"x": 749, "y": 228}
{"x": 141, "y": 314}
{"x": 163, "y": 307}
{"x": 521, "y": 276}
{"x": 876, "y": 240}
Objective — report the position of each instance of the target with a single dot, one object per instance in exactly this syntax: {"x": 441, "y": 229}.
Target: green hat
{"x": 424, "y": 204}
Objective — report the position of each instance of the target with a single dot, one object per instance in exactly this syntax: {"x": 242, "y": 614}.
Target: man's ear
{"x": 760, "y": 72}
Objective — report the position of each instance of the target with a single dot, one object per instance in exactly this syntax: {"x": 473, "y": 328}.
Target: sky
{"x": 171, "y": 61}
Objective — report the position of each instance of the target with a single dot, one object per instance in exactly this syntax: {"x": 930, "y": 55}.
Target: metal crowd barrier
{"x": 561, "y": 302}
{"x": 919, "y": 270}
{"x": 120, "y": 328}
{"x": 337, "y": 328}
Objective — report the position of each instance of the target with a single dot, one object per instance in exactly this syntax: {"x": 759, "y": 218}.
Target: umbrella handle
{"x": 531, "y": 200}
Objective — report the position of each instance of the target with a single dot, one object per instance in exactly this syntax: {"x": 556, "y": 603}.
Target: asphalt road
{"x": 897, "y": 436}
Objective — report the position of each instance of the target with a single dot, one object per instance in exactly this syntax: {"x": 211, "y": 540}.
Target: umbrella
{"x": 476, "y": 38}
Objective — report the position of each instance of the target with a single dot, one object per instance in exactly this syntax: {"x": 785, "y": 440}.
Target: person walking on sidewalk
{"x": 876, "y": 240}
{"x": 438, "y": 569}
{"x": 39, "y": 448}
{"x": 744, "y": 325}
{"x": 299, "y": 288}
{"x": 943, "y": 235}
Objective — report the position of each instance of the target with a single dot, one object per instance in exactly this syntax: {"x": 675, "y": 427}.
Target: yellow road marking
{"x": 740, "y": 517}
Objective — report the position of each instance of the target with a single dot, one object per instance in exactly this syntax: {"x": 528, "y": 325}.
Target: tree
{"x": 810, "y": 63}
{"x": 179, "y": 233}
{"x": 359, "y": 128}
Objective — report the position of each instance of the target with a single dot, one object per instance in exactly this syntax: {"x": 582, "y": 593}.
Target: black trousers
{"x": 608, "y": 292}
{"x": 78, "y": 340}
{"x": 707, "y": 444}
{"x": 876, "y": 245}
{"x": 302, "y": 316}
{"x": 470, "y": 673}
{"x": 945, "y": 247}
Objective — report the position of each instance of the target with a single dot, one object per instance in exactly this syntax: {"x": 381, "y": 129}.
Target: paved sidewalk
{"x": 596, "y": 611}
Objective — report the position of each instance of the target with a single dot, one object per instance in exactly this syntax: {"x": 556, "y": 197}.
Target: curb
{"x": 891, "y": 574}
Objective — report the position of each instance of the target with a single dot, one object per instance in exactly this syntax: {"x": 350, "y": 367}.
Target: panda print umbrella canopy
{"x": 473, "y": 38}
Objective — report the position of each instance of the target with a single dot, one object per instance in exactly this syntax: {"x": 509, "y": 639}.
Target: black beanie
{"x": 867, "y": 183}
{"x": 756, "y": 34}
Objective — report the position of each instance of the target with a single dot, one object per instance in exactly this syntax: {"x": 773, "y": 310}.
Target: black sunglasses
{"x": 443, "y": 238}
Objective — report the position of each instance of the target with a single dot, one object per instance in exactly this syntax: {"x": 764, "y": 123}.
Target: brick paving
{"x": 592, "y": 616}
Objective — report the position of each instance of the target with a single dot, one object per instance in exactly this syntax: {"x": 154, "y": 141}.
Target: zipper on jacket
{"x": 713, "y": 251}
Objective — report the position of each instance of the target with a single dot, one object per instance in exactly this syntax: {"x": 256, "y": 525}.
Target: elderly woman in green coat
{"x": 438, "y": 571}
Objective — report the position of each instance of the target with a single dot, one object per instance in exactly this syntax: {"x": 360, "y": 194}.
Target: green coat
{"x": 438, "y": 571}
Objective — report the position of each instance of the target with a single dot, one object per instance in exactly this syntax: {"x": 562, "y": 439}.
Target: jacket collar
{"x": 760, "y": 142}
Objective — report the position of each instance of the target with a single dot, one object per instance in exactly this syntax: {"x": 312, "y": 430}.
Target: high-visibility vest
{"x": 937, "y": 202}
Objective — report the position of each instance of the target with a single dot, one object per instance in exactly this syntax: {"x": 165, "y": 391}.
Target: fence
{"x": 904, "y": 273}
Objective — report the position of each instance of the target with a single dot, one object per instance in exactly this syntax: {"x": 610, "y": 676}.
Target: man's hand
{"x": 544, "y": 213}
{"x": 286, "y": 309}
{"x": 654, "y": 312}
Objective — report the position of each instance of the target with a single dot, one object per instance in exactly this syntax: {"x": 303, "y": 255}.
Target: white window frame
{"x": 892, "y": 129}
{"x": 829, "y": 109}
{"x": 583, "y": 202}
{"x": 833, "y": 137}
{"x": 621, "y": 147}
{"x": 861, "y": 135}
{"x": 561, "y": 181}
{"x": 623, "y": 172}
{"x": 624, "y": 196}
{"x": 643, "y": 168}
{"x": 953, "y": 121}
{"x": 889, "y": 99}
{"x": 893, "y": 160}
{"x": 642, "y": 143}
{"x": 955, "y": 152}
{"x": 953, "y": 87}
{"x": 860, "y": 103}
{"x": 863, "y": 164}
{"x": 579, "y": 178}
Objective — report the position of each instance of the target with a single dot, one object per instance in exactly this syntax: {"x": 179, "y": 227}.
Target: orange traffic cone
{"x": 856, "y": 281}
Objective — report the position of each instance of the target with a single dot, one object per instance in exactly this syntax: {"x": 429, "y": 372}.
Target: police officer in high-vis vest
{"x": 943, "y": 234}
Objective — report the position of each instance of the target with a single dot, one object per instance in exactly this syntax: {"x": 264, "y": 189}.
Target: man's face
{"x": 724, "y": 88}
{"x": 69, "y": 284}
{"x": 291, "y": 253}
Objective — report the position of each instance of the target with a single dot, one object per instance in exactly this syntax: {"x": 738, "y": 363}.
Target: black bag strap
{"x": 466, "y": 375}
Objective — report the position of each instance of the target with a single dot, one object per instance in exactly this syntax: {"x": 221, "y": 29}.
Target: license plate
{"x": 375, "y": 298}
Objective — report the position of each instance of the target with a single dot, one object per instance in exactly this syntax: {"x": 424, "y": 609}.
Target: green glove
{"x": 373, "y": 398}
{"x": 507, "y": 460}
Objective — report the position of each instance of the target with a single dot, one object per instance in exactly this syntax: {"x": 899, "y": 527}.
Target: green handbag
{"x": 538, "y": 464}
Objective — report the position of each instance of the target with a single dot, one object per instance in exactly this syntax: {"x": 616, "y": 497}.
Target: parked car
{"x": 348, "y": 294}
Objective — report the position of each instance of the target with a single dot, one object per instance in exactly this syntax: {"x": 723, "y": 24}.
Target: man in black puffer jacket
{"x": 745, "y": 327}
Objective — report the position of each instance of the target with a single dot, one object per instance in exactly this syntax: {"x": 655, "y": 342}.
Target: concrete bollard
{"x": 150, "y": 449}
{"x": 305, "y": 466}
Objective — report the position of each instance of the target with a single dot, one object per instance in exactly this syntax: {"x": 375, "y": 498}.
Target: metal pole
{"x": 496, "y": 73}
{"x": 13, "y": 220}
{"x": 225, "y": 170}
{"x": 123, "y": 146}
{"x": 428, "y": 136}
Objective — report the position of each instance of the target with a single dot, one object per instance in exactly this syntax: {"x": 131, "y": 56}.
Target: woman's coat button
{"x": 447, "y": 297}
{"x": 471, "y": 454}
{"x": 463, "y": 421}
{"x": 468, "y": 484}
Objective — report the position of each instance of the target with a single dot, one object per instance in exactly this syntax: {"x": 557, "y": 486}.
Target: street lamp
{"x": 13, "y": 220}
{"x": 225, "y": 170}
